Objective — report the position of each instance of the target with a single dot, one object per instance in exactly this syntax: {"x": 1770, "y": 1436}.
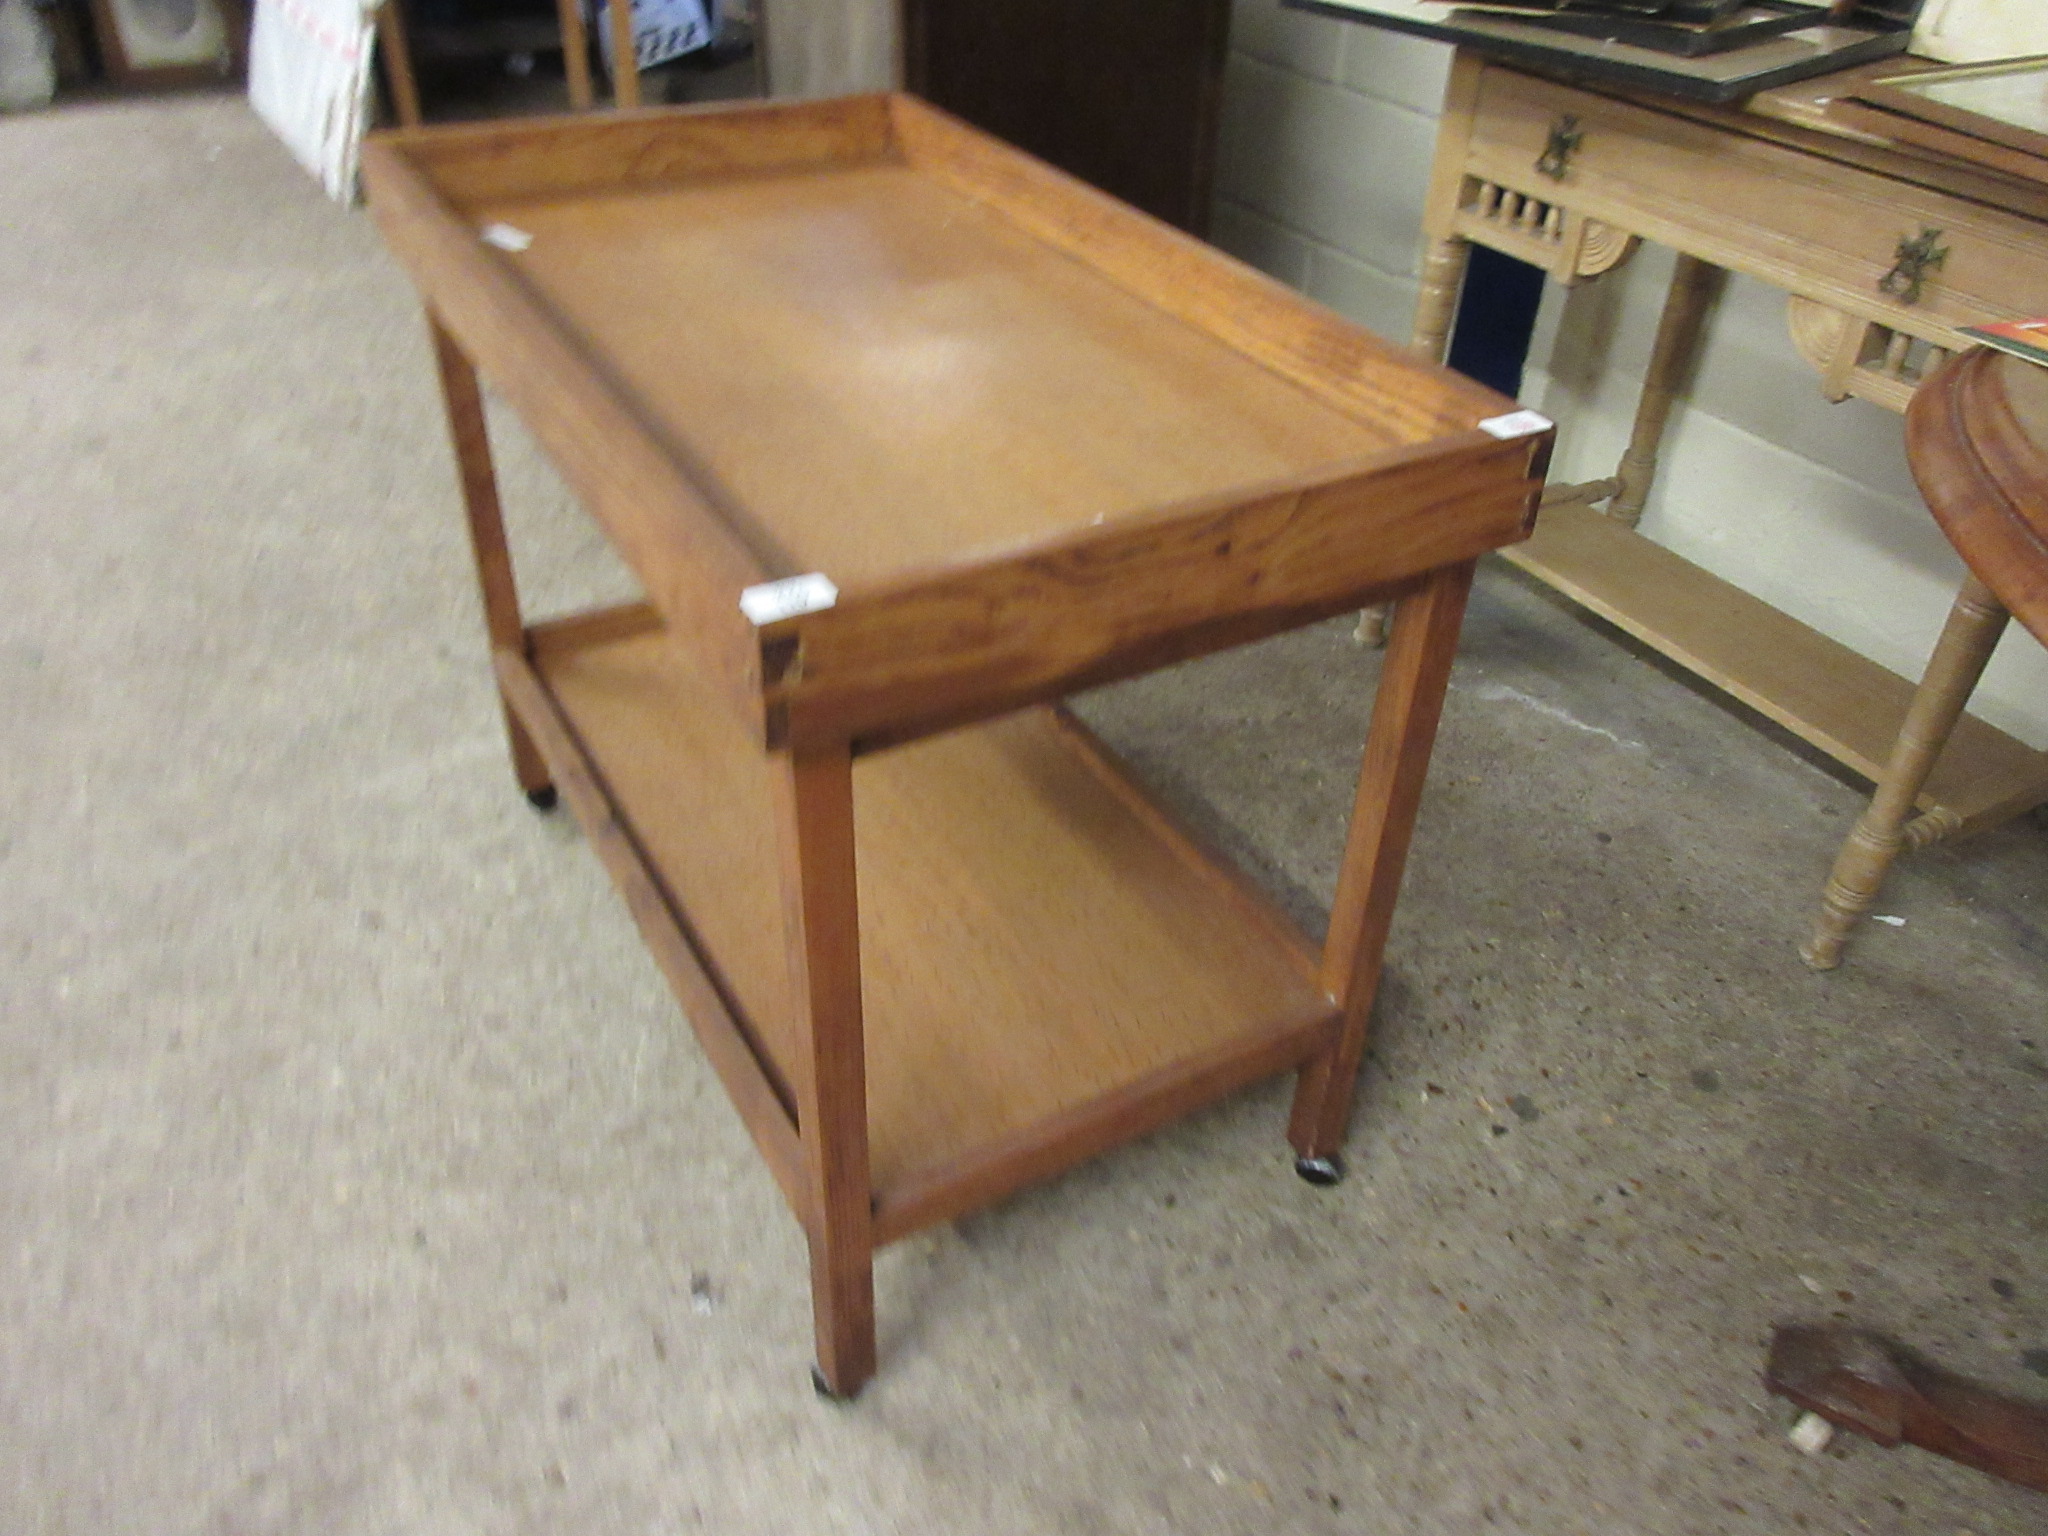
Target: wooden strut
{"x": 1405, "y": 713}
{"x": 470, "y": 434}
{"x": 1967, "y": 640}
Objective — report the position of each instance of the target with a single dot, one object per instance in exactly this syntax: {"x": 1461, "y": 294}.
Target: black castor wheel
{"x": 1320, "y": 1171}
{"x": 824, "y": 1388}
{"x": 542, "y": 799}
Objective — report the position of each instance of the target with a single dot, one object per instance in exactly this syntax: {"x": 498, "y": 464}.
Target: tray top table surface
{"x": 1032, "y": 439}
{"x": 877, "y": 373}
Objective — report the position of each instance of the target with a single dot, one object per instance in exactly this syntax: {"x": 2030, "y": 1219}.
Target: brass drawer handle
{"x": 1911, "y": 263}
{"x": 1559, "y": 148}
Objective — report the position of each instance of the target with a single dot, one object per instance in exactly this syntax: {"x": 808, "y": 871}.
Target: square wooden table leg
{"x": 470, "y": 434}
{"x": 819, "y": 895}
{"x": 1413, "y": 678}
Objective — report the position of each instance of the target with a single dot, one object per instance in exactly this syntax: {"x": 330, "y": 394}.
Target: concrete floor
{"x": 358, "y": 1176}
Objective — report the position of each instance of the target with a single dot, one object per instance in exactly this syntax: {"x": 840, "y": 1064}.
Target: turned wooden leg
{"x": 1436, "y": 308}
{"x": 472, "y": 439}
{"x": 625, "y": 62}
{"x": 1694, "y": 285}
{"x": 816, "y": 804}
{"x": 575, "y": 53}
{"x": 1404, "y": 721}
{"x": 1967, "y": 640}
{"x": 396, "y": 49}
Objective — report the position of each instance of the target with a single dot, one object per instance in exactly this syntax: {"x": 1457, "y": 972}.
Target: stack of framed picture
{"x": 1705, "y": 50}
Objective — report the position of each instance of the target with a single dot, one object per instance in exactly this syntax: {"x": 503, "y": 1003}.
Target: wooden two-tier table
{"x": 907, "y": 435}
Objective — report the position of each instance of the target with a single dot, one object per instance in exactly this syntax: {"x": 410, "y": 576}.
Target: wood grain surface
{"x": 545, "y": 157}
{"x": 900, "y": 657}
{"x": 1977, "y": 438}
{"x": 878, "y": 375}
{"x": 1030, "y": 941}
{"x": 1805, "y": 224}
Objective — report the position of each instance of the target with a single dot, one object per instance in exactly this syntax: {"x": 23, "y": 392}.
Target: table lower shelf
{"x": 1824, "y": 693}
{"x": 1049, "y": 965}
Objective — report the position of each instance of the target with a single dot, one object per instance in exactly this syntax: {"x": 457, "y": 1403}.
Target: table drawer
{"x": 1539, "y": 155}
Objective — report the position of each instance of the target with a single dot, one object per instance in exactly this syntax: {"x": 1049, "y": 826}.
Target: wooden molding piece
{"x": 1865, "y": 1382}
{"x": 941, "y": 648}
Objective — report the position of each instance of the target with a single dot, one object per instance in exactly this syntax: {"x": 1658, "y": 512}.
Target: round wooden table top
{"x": 1977, "y": 438}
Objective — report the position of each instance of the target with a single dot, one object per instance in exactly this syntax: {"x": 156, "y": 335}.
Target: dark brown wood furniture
{"x": 1865, "y": 1382}
{"x": 394, "y": 49}
{"x": 1977, "y": 438}
{"x": 1121, "y": 93}
{"x": 907, "y": 435}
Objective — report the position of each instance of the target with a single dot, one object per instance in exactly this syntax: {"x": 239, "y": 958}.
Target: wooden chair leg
{"x": 396, "y": 49}
{"x": 1443, "y": 279}
{"x": 1436, "y": 308}
{"x": 625, "y": 62}
{"x": 832, "y": 1108}
{"x": 470, "y": 434}
{"x": 1974, "y": 624}
{"x": 1404, "y": 720}
{"x": 575, "y": 53}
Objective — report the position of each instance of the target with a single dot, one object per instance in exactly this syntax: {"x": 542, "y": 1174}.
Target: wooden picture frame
{"x": 1943, "y": 97}
{"x": 145, "y": 44}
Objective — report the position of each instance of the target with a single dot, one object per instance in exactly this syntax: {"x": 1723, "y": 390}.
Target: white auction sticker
{"x": 507, "y": 237}
{"x": 1517, "y": 424}
{"x": 787, "y": 598}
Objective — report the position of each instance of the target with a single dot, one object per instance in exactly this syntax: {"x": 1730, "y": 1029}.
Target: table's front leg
{"x": 1404, "y": 721}
{"x": 470, "y": 434}
{"x": 815, "y": 792}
